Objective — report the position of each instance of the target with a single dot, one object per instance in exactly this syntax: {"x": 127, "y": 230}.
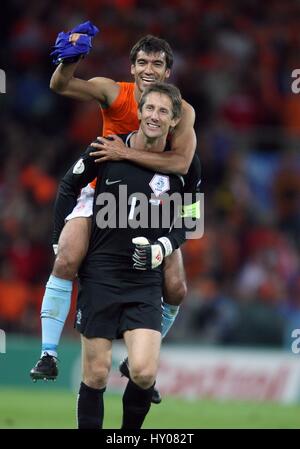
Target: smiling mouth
{"x": 148, "y": 80}
{"x": 153, "y": 125}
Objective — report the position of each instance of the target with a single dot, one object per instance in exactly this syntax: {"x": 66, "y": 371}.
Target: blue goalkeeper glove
{"x": 68, "y": 52}
{"x": 148, "y": 256}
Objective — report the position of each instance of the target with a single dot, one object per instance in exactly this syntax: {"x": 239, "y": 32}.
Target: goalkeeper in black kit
{"x": 134, "y": 227}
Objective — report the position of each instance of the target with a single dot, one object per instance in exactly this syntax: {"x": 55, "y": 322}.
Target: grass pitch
{"x": 36, "y": 409}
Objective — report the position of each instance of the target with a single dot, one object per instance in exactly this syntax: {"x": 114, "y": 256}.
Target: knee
{"x": 144, "y": 377}
{"x": 66, "y": 264}
{"x": 96, "y": 375}
{"x": 176, "y": 291}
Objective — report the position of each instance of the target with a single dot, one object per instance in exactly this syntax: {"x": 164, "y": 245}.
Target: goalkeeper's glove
{"x": 148, "y": 256}
{"x": 67, "y": 52}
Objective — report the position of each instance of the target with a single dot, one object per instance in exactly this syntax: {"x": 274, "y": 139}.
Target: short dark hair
{"x": 168, "y": 89}
{"x": 152, "y": 44}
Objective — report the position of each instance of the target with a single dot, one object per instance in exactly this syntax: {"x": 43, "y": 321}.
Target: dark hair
{"x": 168, "y": 89}
{"x": 152, "y": 44}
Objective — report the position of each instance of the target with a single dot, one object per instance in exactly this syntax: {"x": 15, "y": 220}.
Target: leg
{"x": 72, "y": 247}
{"x": 96, "y": 363}
{"x": 73, "y": 244}
{"x": 143, "y": 347}
{"x": 175, "y": 289}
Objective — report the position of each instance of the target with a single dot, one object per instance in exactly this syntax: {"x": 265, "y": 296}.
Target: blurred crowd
{"x": 233, "y": 63}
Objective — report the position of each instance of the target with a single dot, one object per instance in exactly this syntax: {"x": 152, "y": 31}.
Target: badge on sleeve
{"x": 79, "y": 167}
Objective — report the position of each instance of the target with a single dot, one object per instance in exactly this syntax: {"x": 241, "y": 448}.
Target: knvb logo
{"x": 2, "y": 342}
{"x": 2, "y": 82}
{"x": 296, "y": 343}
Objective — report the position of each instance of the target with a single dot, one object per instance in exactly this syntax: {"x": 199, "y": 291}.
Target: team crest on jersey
{"x": 159, "y": 184}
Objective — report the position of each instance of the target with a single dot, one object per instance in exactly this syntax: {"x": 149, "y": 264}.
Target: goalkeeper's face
{"x": 156, "y": 116}
{"x": 149, "y": 68}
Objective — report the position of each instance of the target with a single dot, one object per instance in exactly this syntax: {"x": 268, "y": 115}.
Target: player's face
{"x": 148, "y": 68}
{"x": 157, "y": 115}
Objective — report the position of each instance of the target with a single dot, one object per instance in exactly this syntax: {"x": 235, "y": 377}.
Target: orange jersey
{"x": 121, "y": 116}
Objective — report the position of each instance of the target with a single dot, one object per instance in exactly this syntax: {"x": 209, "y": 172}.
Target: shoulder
{"x": 107, "y": 87}
{"x": 104, "y": 83}
{"x": 124, "y": 101}
{"x": 187, "y": 120}
{"x": 124, "y": 137}
{"x": 126, "y": 85}
{"x": 188, "y": 111}
{"x": 126, "y": 88}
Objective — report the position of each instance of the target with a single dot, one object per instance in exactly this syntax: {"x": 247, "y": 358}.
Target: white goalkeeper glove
{"x": 148, "y": 256}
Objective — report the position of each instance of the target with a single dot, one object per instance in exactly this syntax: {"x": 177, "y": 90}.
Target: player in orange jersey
{"x": 151, "y": 60}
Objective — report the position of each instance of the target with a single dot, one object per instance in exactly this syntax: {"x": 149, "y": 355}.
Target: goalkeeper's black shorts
{"x": 107, "y": 308}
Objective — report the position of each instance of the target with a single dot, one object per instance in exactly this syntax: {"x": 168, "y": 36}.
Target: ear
{"x": 139, "y": 115}
{"x": 132, "y": 69}
{"x": 175, "y": 121}
{"x": 168, "y": 73}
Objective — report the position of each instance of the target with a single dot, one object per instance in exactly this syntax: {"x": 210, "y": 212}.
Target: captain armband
{"x": 191, "y": 210}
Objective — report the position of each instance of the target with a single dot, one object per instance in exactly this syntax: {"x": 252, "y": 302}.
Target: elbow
{"x": 55, "y": 86}
{"x": 181, "y": 165}
{"x": 183, "y": 168}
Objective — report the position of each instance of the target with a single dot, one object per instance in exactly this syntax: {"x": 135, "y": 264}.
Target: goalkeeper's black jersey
{"x": 130, "y": 201}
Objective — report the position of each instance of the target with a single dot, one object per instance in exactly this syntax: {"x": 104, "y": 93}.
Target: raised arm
{"x": 178, "y": 160}
{"x": 63, "y": 81}
{"x": 73, "y": 46}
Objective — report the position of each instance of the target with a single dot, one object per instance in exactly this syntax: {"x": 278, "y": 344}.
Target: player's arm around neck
{"x": 183, "y": 140}
{"x": 103, "y": 90}
{"x": 183, "y": 145}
